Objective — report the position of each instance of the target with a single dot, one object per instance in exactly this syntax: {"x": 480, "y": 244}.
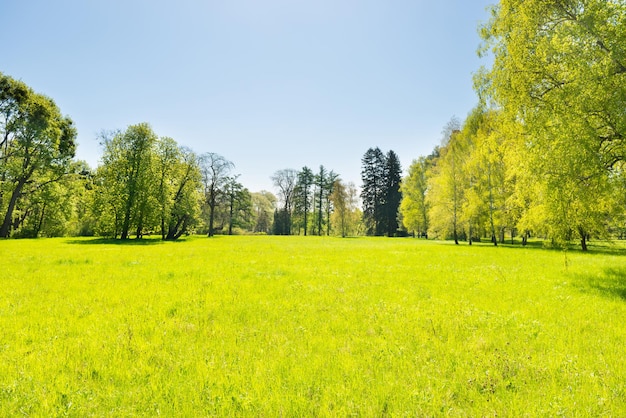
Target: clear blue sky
{"x": 268, "y": 84}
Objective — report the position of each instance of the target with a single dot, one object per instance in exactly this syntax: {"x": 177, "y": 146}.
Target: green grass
{"x": 307, "y": 326}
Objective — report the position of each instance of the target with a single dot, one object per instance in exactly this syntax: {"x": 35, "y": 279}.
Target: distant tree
{"x": 413, "y": 207}
{"x": 239, "y": 203}
{"x": 373, "y": 190}
{"x": 330, "y": 186}
{"x": 302, "y": 195}
{"x": 37, "y": 145}
{"x": 285, "y": 182}
{"x": 179, "y": 188}
{"x": 263, "y": 206}
{"x": 393, "y": 194}
{"x": 214, "y": 170}
{"x": 282, "y": 222}
{"x": 446, "y": 188}
{"x": 126, "y": 177}
{"x": 321, "y": 180}
{"x": 346, "y": 214}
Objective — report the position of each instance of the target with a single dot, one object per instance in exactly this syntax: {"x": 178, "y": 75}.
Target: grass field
{"x": 308, "y": 326}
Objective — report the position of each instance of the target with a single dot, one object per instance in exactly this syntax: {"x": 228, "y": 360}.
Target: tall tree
{"x": 239, "y": 203}
{"x": 302, "y": 195}
{"x": 393, "y": 194}
{"x": 127, "y": 176}
{"x": 321, "y": 178}
{"x": 558, "y": 76}
{"x": 345, "y": 216}
{"x": 178, "y": 190}
{"x": 285, "y": 182}
{"x": 330, "y": 186}
{"x": 373, "y": 190}
{"x": 37, "y": 145}
{"x": 215, "y": 170}
{"x": 263, "y": 206}
{"x": 446, "y": 188}
{"x": 413, "y": 207}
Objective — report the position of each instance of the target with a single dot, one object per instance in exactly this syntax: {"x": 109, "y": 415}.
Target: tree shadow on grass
{"x": 113, "y": 241}
{"x": 611, "y": 282}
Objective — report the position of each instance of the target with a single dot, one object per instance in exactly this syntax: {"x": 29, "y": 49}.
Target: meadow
{"x": 309, "y": 326}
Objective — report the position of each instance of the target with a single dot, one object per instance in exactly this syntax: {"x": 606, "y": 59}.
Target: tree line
{"x": 541, "y": 155}
{"x": 146, "y": 184}
{"x": 543, "y": 152}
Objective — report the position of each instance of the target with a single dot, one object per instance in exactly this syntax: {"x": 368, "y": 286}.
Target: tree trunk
{"x": 230, "y": 215}
{"x": 5, "y": 229}
{"x": 40, "y": 222}
{"x": 583, "y": 238}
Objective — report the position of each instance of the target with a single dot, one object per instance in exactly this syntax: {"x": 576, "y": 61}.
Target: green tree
{"x": 321, "y": 180}
{"x": 302, "y": 195}
{"x": 263, "y": 206}
{"x": 178, "y": 189}
{"x": 446, "y": 188}
{"x": 37, "y": 145}
{"x": 413, "y": 207}
{"x": 393, "y": 194}
{"x": 345, "y": 216}
{"x": 558, "y": 76}
{"x": 373, "y": 190}
{"x": 285, "y": 181}
{"x": 215, "y": 170}
{"x": 126, "y": 177}
{"x": 328, "y": 204}
{"x": 239, "y": 203}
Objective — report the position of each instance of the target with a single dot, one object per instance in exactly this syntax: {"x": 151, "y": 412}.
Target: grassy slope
{"x": 309, "y": 326}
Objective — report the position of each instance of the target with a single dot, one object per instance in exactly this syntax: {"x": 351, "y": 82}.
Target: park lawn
{"x": 309, "y": 326}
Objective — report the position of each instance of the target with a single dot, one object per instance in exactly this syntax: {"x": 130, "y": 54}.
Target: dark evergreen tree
{"x": 282, "y": 222}
{"x": 320, "y": 184}
{"x": 393, "y": 195}
{"x": 330, "y": 186}
{"x": 302, "y": 196}
{"x": 373, "y": 191}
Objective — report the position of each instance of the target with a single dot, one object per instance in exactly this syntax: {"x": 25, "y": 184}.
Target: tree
{"x": 178, "y": 188}
{"x": 126, "y": 177}
{"x": 285, "y": 182}
{"x": 263, "y": 206}
{"x": 393, "y": 195}
{"x": 239, "y": 204}
{"x": 486, "y": 196}
{"x": 345, "y": 216}
{"x": 558, "y": 77}
{"x": 302, "y": 195}
{"x": 214, "y": 169}
{"x": 373, "y": 190}
{"x": 330, "y": 186}
{"x": 321, "y": 187}
{"x": 447, "y": 187}
{"x": 413, "y": 206}
{"x": 37, "y": 145}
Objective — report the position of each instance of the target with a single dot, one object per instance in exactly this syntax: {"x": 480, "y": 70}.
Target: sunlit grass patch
{"x": 309, "y": 326}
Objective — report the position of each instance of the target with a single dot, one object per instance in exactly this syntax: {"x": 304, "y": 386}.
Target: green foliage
{"x": 413, "y": 207}
{"x": 447, "y": 185}
{"x": 380, "y": 193}
{"x": 346, "y": 214}
{"x": 263, "y": 205}
{"x": 303, "y": 198}
{"x": 264, "y": 326}
{"x": 37, "y": 144}
{"x": 558, "y": 78}
{"x": 146, "y": 184}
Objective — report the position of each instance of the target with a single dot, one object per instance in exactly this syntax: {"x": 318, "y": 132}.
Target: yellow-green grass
{"x": 308, "y": 326}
